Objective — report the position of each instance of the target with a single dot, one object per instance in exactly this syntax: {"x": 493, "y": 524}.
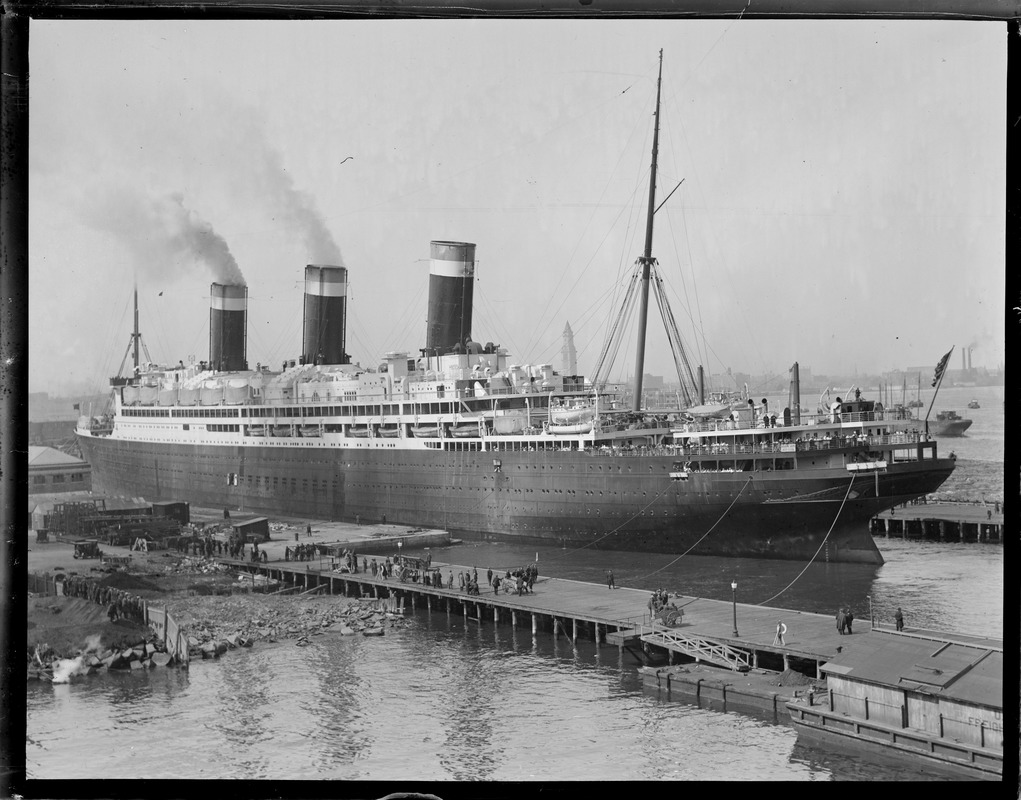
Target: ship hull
{"x": 949, "y": 427}
{"x": 567, "y": 498}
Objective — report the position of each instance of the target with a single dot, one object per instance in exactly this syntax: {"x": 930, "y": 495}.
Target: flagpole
{"x": 945, "y": 361}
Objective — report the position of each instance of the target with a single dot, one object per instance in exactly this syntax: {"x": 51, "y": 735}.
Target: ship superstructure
{"x": 456, "y": 436}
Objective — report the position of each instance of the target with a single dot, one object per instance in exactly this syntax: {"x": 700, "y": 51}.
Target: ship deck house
{"x": 949, "y": 690}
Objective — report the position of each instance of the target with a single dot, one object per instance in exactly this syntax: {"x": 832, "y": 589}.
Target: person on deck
{"x": 899, "y": 619}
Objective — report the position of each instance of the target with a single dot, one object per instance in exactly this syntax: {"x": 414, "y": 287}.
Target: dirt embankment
{"x": 61, "y": 627}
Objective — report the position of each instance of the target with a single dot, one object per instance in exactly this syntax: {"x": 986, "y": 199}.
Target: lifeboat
{"x": 570, "y": 430}
{"x": 360, "y": 431}
{"x": 387, "y": 431}
{"x": 426, "y": 431}
{"x": 465, "y": 430}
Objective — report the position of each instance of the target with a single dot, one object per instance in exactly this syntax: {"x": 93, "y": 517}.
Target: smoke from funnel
{"x": 192, "y": 235}
{"x": 298, "y": 210}
{"x": 159, "y": 230}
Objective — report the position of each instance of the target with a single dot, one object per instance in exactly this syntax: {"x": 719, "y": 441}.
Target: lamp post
{"x": 733, "y": 588}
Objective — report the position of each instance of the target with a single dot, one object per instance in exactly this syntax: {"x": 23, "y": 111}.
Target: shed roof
{"x": 966, "y": 673}
{"x": 40, "y": 456}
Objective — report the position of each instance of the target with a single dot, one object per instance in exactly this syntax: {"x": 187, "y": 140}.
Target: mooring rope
{"x": 816, "y": 554}
{"x": 704, "y": 535}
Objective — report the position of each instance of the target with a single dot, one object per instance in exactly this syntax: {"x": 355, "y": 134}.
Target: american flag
{"x": 941, "y": 366}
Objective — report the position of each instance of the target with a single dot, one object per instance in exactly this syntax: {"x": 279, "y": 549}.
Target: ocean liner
{"x": 457, "y": 436}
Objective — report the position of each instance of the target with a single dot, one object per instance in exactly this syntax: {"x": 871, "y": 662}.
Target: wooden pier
{"x": 579, "y": 611}
{"x": 941, "y": 522}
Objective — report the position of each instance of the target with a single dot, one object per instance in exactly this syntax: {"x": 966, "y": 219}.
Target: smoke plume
{"x": 162, "y": 230}
{"x": 298, "y": 209}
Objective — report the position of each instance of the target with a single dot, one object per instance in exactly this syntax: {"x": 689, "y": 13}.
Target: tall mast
{"x": 136, "y": 335}
{"x": 646, "y": 259}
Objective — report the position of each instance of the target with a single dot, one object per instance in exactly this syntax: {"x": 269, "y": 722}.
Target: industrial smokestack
{"x": 451, "y": 282}
{"x": 325, "y": 315}
{"x": 228, "y": 334}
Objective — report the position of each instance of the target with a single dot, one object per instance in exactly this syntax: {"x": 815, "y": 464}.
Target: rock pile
{"x": 229, "y": 622}
{"x": 46, "y": 665}
{"x": 199, "y": 564}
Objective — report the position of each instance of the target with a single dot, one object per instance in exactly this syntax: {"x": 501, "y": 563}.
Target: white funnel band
{"x": 228, "y": 298}
{"x": 325, "y": 281}
{"x": 451, "y": 269}
{"x": 326, "y": 288}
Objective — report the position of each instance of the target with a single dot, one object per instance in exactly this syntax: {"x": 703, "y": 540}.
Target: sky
{"x": 840, "y": 200}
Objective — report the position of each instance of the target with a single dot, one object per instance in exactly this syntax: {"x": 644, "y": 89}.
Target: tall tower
{"x": 568, "y": 354}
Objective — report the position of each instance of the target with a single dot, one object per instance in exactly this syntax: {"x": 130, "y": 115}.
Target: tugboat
{"x": 949, "y": 423}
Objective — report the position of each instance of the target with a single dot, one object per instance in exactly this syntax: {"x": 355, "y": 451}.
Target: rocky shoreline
{"x": 71, "y": 637}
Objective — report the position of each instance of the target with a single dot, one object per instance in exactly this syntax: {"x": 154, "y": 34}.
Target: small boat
{"x": 387, "y": 431}
{"x": 426, "y": 431}
{"x": 310, "y": 431}
{"x": 974, "y": 404}
{"x": 256, "y": 430}
{"x": 465, "y": 429}
{"x": 361, "y": 431}
{"x": 949, "y": 423}
{"x": 571, "y": 415}
{"x": 282, "y": 430}
{"x": 570, "y": 430}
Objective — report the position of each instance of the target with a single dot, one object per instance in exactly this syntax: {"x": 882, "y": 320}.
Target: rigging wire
{"x": 577, "y": 245}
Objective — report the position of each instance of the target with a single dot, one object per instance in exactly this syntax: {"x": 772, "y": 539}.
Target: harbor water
{"x": 443, "y": 699}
